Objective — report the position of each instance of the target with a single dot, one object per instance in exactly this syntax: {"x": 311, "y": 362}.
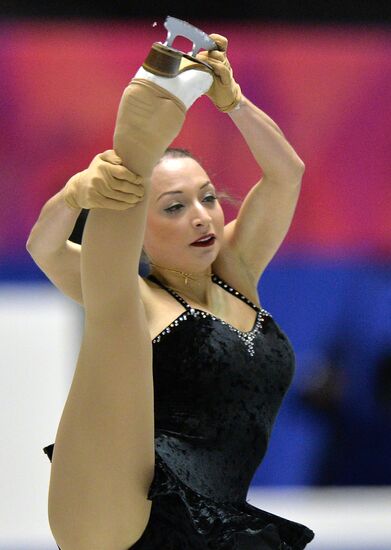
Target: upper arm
{"x": 263, "y": 222}
{"x": 62, "y": 268}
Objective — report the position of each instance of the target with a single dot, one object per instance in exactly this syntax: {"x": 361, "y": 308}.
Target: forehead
{"x": 178, "y": 172}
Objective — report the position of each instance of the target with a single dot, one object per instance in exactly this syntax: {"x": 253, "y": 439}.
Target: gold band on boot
{"x": 162, "y": 61}
{"x": 167, "y": 62}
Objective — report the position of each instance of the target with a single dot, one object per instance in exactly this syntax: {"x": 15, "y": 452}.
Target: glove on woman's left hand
{"x": 224, "y": 92}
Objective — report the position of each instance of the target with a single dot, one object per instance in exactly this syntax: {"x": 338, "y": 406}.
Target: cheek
{"x": 159, "y": 231}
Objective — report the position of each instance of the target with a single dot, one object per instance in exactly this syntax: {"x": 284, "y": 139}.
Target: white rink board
{"x": 343, "y": 518}
{"x": 40, "y": 338}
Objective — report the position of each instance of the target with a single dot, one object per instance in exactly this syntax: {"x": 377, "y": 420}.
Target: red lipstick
{"x": 205, "y": 240}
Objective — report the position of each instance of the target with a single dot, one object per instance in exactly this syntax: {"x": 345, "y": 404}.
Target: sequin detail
{"x": 247, "y": 337}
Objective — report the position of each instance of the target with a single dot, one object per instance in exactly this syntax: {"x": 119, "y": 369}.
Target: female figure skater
{"x": 159, "y": 454}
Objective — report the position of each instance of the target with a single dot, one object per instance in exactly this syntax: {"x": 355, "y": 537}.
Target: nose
{"x": 201, "y": 217}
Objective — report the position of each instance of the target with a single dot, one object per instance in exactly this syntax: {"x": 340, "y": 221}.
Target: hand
{"x": 224, "y": 92}
{"x": 104, "y": 184}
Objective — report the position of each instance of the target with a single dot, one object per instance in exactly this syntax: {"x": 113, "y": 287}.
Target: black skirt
{"x": 182, "y": 519}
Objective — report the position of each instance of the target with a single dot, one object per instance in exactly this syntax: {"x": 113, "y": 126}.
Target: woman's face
{"x": 182, "y": 209}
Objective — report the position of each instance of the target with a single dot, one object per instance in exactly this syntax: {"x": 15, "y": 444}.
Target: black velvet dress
{"x": 217, "y": 392}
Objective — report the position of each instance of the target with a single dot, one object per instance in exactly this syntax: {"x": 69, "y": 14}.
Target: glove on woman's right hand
{"x": 104, "y": 184}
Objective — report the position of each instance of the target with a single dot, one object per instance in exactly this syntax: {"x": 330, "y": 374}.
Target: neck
{"x": 198, "y": 286}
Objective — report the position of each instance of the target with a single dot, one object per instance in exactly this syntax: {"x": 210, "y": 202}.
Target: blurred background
{"x": 323, "y": 73}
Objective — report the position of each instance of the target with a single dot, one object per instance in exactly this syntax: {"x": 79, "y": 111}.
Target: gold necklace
{"x": 183, "y": 274}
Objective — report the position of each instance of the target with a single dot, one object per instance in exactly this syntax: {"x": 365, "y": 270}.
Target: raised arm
{"x": 98, "y": 186}
{"x": 267, "y": 211}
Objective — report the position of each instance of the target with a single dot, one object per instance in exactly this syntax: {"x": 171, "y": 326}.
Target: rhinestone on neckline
{"x": 246, "y": 337}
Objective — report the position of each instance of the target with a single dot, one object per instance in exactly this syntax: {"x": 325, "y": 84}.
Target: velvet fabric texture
{"x": 217, "y": 392}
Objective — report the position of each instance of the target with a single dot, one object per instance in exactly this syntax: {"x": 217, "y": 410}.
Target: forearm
{"x": 52, "y": 228}
{"x": 276, "y": 157}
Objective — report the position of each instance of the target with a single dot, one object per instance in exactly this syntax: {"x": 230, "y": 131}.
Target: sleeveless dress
{"x": 217, "y": 391}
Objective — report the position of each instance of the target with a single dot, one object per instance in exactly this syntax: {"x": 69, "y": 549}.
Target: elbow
{"x": 29, "y": 246}
{"x": 31, "y": 240}
{"x": 297, "y": 171}
{"x": 290, "y": 171}
{"x": 302, "y": 167}
{"x": 34, "y": 251}
{"x": 291, "y": 174}
{"x": 299, "y": 166}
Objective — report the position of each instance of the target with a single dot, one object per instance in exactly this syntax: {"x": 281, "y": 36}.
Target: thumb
{"x": 221, "y": 41}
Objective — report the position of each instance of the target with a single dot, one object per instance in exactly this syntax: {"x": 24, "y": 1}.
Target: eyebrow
{"x": 177, "y": 192}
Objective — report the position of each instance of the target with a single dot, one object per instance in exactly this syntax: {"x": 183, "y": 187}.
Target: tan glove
{"x": 104, "y": 184}
{"x": 224, "y": 92}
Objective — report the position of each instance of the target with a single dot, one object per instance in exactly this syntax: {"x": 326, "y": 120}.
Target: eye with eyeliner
{"x": 173, "y": 208}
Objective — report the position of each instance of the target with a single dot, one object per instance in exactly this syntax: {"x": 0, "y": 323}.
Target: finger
{"x": 221, "y": 71}
{"x": 110, "y": 156}
{"x": 202, "y": 56}
{"x": 219, "y": 56}
{"x": 112, "y": 204}
{"x": 109, "y": 170}
{"x": 113, "y": 194}
{"x": 221, "y": 41}
{"x": 119, "y": 189}
{"x": 122, "y": 173}
{"x": 215, "y": 64}
{"x": 213, "y": 54}
{"x": 225, "y": 75}
{"x": 127, "y": 187}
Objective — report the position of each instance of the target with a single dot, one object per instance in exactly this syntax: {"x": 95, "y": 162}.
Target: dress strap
{"x": 216, "y": 279}
{"x": 170, "y": 291}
